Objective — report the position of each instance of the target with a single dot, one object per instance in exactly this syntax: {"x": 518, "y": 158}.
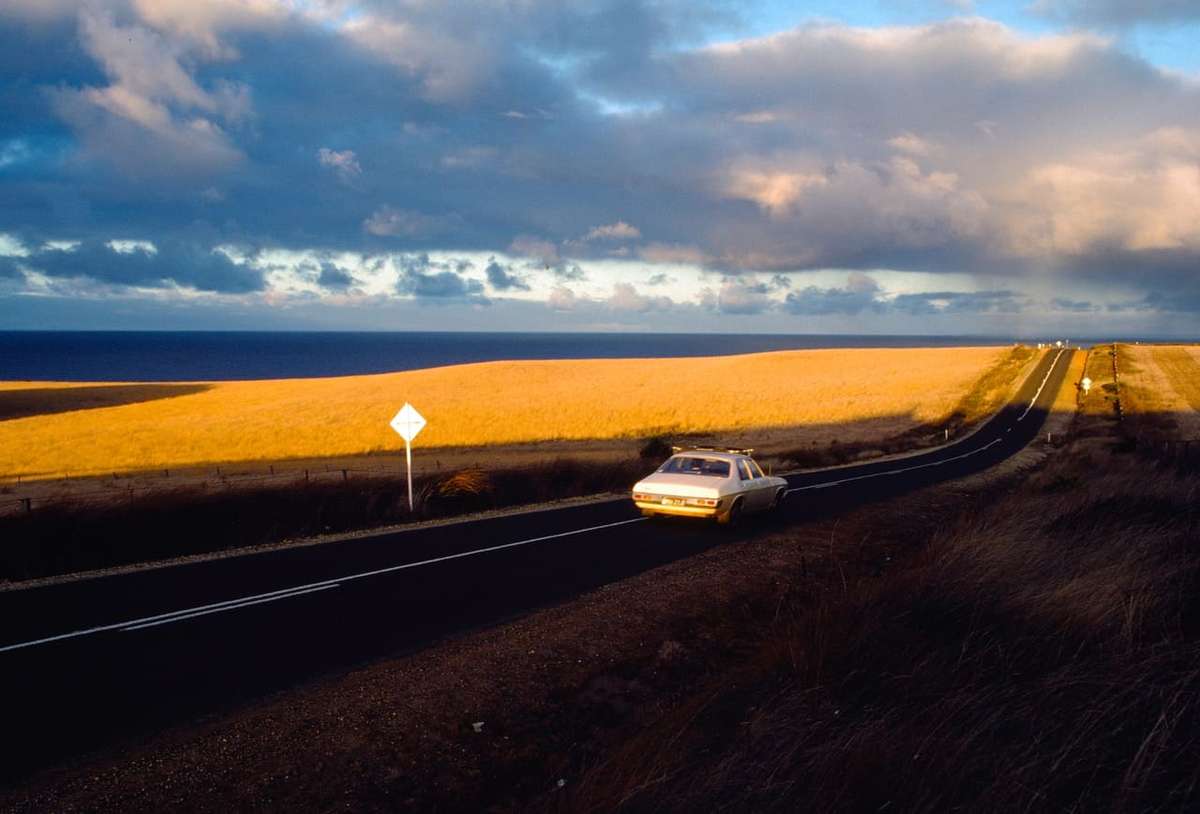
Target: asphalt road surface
{"x": 93, "y": 663}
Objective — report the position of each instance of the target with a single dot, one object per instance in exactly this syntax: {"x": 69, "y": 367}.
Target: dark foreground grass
{"x": 1040, "y": 652}
{"x": 68, "y": 538}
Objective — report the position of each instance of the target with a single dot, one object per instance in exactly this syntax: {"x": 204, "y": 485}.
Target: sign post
{"x": 407, "y": 423}
{"x": 1086, "y": 384}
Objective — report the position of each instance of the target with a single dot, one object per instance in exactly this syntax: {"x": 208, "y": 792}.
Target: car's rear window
{"x": 685, "y": 465}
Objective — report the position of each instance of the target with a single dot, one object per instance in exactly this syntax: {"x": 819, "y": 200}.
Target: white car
{"x": 704, "y": 482}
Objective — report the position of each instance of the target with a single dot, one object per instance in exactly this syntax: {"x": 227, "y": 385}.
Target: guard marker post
{"x": 407, "y": 423}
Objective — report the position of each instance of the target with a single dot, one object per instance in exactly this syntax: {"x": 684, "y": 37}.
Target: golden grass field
{"x": 96, "y": 429}
{"x": 1160, "y": 389}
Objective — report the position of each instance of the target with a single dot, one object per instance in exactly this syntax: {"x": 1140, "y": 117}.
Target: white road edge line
{"x": 173, "y": 619}
{"x": 287, "y": 593}
{"x": 983, "y": 448}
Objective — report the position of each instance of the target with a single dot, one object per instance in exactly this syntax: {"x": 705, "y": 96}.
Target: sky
{"x": 905, "y": 167}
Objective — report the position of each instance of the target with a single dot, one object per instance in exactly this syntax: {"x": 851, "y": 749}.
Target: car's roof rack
{"x": 726, "y": 450}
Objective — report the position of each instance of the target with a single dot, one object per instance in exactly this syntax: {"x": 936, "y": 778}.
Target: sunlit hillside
{"x": 1160, "y": 389}
{"x": 78, "y": 429}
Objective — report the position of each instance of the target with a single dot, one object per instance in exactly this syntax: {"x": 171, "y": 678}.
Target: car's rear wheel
{"x": 731, "y": 517}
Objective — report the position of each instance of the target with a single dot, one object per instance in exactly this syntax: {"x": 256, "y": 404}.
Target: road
{"x": 93, "y": 663}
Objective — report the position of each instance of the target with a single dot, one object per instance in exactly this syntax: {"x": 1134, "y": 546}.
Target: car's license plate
{"x": 673, "y": 501}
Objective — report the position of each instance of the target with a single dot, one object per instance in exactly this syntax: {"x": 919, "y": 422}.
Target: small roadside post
{"x": 407, "y": 423}
{"x": 1086, "y": 384}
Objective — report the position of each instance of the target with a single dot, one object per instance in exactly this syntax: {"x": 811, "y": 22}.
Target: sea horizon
{"x": 208, "y": 355}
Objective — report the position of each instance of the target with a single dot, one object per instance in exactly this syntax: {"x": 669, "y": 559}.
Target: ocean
{"x": 218, "y": 356}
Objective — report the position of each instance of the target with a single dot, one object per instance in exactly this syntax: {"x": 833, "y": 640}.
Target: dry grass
{"x": 1160, "y": 390}
{"x": 1042, "y": 653}
{"x": 886, "y": 391}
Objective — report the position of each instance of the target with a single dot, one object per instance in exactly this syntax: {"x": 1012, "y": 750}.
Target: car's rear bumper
{"x": 656, "y": 507}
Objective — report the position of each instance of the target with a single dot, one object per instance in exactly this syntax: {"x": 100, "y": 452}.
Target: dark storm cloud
{"x": 184, "y": 264}
{"x": 502, "y": 278}
{"x": 430, "y": 281}
{"x": 958, "y": 302}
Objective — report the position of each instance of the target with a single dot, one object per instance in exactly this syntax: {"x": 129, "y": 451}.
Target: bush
{"x": 655, "y": 449}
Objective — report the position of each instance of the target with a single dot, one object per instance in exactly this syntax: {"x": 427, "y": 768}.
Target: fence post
{"x": 28, "y": 504}
{"x": 306, "y": 476}
{"x": 345, "y": 477}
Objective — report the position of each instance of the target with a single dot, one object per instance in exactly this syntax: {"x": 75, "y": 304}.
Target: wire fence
{"x": 21, "y": 494}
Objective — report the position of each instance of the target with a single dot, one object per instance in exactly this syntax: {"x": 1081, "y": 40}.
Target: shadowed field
{"x": 24, "y": 401}
{"x": 499, "y": 403}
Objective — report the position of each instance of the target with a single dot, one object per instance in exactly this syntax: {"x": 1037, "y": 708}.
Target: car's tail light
{"x": 643, "y": 497}
{"x": 708, "y": 502}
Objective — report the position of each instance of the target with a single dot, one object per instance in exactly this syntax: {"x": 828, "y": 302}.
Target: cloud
{"x": 562, "y": 299}
{"x": 672, "y": 253}
{"x": 860, "y": 293}
{"x": 543, "y": 251}
{"x": 958, "y": 302}
{"x": 153, "y": 117}
{"x": 1142, "y": 195}
{"x": 502, "y": 278}
{"x": 1120, "y": 12}
{"x": 626, "y": 298}
{"x": 1075, "y": 306}
{"x": 738, "y": 297}
{"x": 343, "y": 162}
{"x": 961, "y": 146}
{"x": 334, "y": 278}
{"x": 173, "y": 263}
{"x": 661, "y": 278}
{"x": 387, "y": 221}
{"x": 546, "y": 255}
{"x": 429, "y": 281}
{"x": 613, "y": 231}
{"x": 775, "y": 191}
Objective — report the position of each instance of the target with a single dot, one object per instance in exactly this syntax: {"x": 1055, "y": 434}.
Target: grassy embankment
{"x": 850, "y": 395}
{"x": 1039, "y": 652}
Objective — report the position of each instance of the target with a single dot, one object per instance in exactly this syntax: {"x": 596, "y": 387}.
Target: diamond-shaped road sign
{"x": 408, "y": 422}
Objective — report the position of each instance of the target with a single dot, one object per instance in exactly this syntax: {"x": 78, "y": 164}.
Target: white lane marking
{"x": 826, "y": 485}
{"x": 987, "y": 446}
{"x": 287, "y": 593}
{"x": 179, "y": 618}
{"x": 166, "y": 617}
{"x": 1042, "y": 386}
